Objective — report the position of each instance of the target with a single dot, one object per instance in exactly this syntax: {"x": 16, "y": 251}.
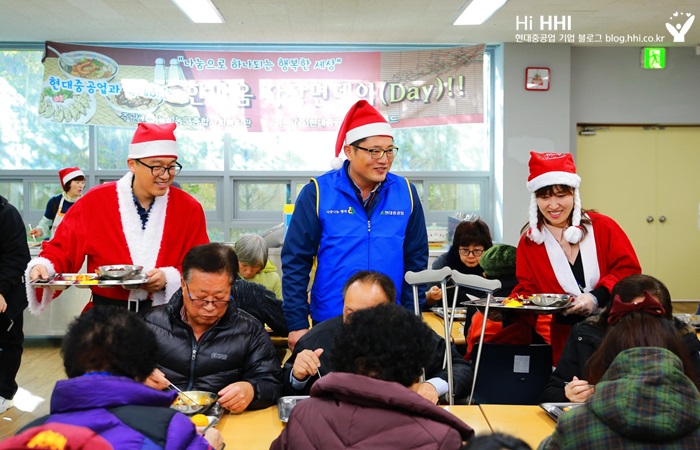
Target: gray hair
{"x": 251, "y": 250}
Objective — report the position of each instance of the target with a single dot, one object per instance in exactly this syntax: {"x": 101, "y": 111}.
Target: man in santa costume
{"x": 136, "y": 220}
{"x": 356, "y": 217}
{"x": 565, "y": 249}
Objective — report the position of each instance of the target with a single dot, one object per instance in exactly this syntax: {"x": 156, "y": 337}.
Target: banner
{"x": 258, "y": 91}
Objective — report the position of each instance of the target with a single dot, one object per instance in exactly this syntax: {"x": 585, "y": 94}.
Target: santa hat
{"x": 69, "y": 173}
{"x": 54, "y": 435}
{"x": 362, "y": 121}
{"x": 152, "y": 140}
{"x": 548, "y": 169}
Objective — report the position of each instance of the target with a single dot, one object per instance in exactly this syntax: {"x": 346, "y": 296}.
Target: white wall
{"x": 532, "y": 121}
{"x": 588, "y": 85}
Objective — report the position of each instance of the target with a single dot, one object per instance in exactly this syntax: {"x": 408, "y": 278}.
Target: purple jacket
{"x": 353, "y": 411}
{"x": 85, "y": 401}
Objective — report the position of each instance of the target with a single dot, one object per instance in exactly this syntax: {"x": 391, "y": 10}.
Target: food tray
{"x": 691, "y": 319}
{"x": 497, "y": 303}
{"x": 61, "y": 281}
{"x": 554, "y": 410}
{"x": 460, "y": 312}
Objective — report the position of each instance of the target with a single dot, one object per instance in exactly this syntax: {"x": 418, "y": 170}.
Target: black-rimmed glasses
{"x": 467, "y": 252}
{"x": 378, "y": 153}
{"x": 200, "y": 302}
{"x": 157, "y": 171}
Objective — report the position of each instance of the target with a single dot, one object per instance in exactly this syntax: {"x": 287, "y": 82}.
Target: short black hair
{"x": 386, "y": 342}
{"x": 496, "y": 441}
{"x": 109, "y": 339}
{"x": 373, "y": 277}
{"x": 214, "y": 257}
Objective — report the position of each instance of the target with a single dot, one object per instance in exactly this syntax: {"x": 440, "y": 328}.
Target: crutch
{"x": 431, "y": 277}
{"x": 480, "y": 284}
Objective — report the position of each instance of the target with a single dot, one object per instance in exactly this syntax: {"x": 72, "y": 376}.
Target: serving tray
{"x": 497, "y": 303}
{"x": 61, "y": 281}
{"x": 554, "y": 410}
{"x": 460, "y": 312}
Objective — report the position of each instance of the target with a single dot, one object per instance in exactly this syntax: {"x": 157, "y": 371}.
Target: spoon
{"x": 30, "y": 231}
{"x": 67, "y": 60}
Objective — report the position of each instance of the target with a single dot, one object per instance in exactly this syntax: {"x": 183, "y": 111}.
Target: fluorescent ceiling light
{"x": 200, "y": 11}
{"x": 478, "y": 12}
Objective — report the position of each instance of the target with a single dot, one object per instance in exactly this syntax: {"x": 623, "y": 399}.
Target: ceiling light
{"x": 478, "y": 12}
{"x": 199, "y": 11}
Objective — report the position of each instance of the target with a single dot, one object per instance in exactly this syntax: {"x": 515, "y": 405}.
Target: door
{"x": 643, "y": 178}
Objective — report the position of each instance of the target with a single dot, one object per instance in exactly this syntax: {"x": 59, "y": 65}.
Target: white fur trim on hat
{"x": 553, "y": 178}
{"x": 151, "y": 149}
{"x": 365, "y": 131}
{"x": 336, "y": 163}
{"x": 72, "y": 175}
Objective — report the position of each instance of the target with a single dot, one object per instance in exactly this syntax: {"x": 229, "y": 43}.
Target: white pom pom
{"x": 336, "y": 163}
{"x": 535, "y": 235}
{"x": 573, "y": 234}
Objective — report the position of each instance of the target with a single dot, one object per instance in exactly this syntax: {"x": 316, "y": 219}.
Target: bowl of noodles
{"x": 193, "y": 402}
{"x": 88, "y": 65}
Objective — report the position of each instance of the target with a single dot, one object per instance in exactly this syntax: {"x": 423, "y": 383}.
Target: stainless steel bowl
{"x": 118, "y": 271}
{"x": 286, "y": 404}
{"x": 553, "y": 300}
{"x": 203, "y": 400}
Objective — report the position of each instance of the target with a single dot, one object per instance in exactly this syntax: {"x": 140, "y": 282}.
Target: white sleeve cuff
{"x": 440, "y": 385}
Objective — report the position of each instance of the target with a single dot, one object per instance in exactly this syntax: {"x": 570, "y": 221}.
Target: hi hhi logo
{"x": 677, "y": 28}
{"x": 546, "y": 23}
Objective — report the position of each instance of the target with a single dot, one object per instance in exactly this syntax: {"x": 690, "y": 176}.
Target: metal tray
{"x": 61, "y": 281}
{"x": 497, "y": 303}
{"x": 460, "y": 312}
{"x": 691, "y": 319}
{"x": 286, "y": 404}
{"x": 554, "y": 410}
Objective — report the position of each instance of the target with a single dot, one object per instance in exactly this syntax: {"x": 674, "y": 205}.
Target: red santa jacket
{"x": 105, "y": 227}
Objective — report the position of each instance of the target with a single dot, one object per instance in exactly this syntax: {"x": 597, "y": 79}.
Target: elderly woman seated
{"x": 370, "y": 401}
{"x": 253, "y": 264}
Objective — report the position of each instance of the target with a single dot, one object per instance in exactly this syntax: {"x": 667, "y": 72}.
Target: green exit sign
{"x": 654, "y": 58}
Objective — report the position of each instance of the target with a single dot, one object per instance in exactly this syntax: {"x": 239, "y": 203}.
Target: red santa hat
{"x": 549, "y": 169}
{"x": 54, "y": 435}
{"x": 69, "y": 173}
{"x": 151, "y": 140}
{"x": 362, "y": 121}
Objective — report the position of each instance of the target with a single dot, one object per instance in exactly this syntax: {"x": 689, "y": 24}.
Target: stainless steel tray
{"x": 497, "y": 303}
{"x": 460, "y": 312}
{"x": 554, "y": 410}
{"x": 61, "y": 281}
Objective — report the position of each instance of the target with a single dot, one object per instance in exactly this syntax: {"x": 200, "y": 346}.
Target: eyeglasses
{"x": 157, "y": 171}
{"x": 200, "y": 302}
{"x": 467, "y": 252}
{"x": 378, "y": 153}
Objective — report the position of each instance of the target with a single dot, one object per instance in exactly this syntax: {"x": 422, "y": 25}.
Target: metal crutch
{"x": 480, "y": 284}
{"x": 431, "y": 277}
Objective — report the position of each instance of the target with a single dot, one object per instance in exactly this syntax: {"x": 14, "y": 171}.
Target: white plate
{"x": 88, "y": 66}
{"x": 66, "y": 106}
{"x": 134, "y": 104}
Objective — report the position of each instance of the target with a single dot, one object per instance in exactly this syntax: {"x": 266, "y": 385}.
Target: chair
{"x": 431, "y": 277}
{"x": 480, "y": 284}
{"x": 513, "y": 374}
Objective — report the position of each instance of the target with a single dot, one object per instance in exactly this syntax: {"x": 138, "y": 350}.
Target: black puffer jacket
{"x": 237, "y": 348}
{"x": 14, "y": 256}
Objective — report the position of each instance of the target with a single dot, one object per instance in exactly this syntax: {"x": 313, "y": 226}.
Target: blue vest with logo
{"x": 351, "y": 241}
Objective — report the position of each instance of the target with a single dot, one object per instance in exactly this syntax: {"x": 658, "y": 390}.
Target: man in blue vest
{"x": 356, "y": 217}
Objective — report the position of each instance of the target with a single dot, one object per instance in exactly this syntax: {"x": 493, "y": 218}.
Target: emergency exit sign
{"x": 654, "y": 58}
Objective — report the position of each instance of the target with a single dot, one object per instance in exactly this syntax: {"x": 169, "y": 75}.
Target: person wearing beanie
{"x": 358, "y": 216}
{"x": 135, "y": 220}
{"x": 499, "y": 262}
{"x": 73, "y": 182}
{"x": 566, "y": 249}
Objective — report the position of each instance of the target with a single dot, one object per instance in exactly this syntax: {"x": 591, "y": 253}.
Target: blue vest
{"x": 351, "y": 241}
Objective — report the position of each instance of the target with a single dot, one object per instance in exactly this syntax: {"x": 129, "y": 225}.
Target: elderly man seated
{"x": 207, "y": 343}
{"x": 366, "y": 289}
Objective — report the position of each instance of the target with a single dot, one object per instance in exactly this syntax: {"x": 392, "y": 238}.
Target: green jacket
{"x": 269, "y": 278}
{"x": 644, "y": 401}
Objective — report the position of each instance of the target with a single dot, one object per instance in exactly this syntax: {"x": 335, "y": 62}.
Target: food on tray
{"x": 512, "y": 303}
{"x": 200, "y": 420}
{"x": 80, "y": 277}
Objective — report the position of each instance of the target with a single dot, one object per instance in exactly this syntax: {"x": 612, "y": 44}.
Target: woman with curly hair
{"x": 370, "y": 399}
{"x": 108, "y": 352}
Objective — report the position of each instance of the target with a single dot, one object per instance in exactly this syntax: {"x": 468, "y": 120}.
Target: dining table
{"x": 255, "y": 430}
{"x": 527, "y": 422}
{"x": 436, "y": 323}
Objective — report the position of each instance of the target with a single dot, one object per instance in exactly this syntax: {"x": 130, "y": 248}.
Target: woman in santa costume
{"x": 565, "y": 250}
{"x": 73, "y": 182}
{"x": 136, "y": 220}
